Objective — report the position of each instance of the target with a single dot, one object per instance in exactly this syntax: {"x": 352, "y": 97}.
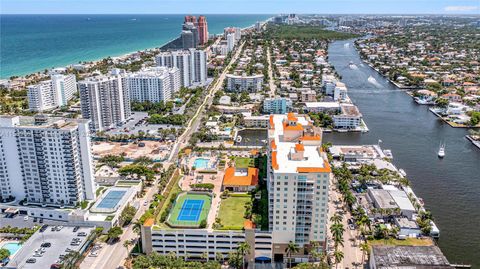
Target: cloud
{"x": 460, "y": 8}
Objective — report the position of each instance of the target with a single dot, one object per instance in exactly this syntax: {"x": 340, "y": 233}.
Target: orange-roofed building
{"x": 240, "y": 179}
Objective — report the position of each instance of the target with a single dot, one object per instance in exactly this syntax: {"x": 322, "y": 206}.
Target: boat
{"x": 441, "y": 151}
{"x": 239, "y": 139}
{"x": 402, "y": 172}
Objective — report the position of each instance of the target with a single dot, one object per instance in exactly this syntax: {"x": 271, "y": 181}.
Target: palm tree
{"x": 126, "y": 244}
{"x": 364, "y": 248}
{"x": 291, "y": 249}
{"x": 243, "y": 249}
{"x": 337, "y": 233}
{"x": 338, "y": 255}
{"x": 336, "y": 219}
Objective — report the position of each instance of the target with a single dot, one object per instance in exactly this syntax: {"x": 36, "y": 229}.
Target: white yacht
{"x": 441, "y": 151}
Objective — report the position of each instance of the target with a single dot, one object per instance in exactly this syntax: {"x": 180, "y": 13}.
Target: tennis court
{"x": 189, "y": 210}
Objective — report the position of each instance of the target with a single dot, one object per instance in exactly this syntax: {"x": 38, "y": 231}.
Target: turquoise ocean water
{"x": 31, "y": 43}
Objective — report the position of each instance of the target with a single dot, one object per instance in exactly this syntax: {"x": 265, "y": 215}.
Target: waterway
{"x": 450, "y": 187}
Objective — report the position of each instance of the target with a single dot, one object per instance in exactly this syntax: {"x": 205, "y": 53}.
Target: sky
{"x": 240, "y": 6}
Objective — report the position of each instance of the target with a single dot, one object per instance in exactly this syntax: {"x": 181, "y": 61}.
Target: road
{"x": 271, "y": 80}
{"x": 193, "y": 124}
{"x": 106, "y": 259}
{"x": 351, "y": 248}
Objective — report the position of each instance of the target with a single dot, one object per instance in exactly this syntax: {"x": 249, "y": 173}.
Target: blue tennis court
{"x": 111, "y": 199}
{"x": 190, "y": 210}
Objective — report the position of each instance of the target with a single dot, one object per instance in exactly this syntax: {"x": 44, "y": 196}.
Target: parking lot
{"x": 60, "y": 243}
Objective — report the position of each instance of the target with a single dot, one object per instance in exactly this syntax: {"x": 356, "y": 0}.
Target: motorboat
{"x": 441, "y": 151}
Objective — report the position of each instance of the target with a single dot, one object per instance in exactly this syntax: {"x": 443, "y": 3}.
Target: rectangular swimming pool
{"x": 111, "y": 199}
{"x": 201, "y": 163}
{"x": 12, "y": 247}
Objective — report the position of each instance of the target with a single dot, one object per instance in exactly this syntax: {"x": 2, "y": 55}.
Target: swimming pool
{"x": 201, "y": 163}
{"x": 13, "y": 247}
{"x": 228, "y": 129}
{"x": 111, "y": 199}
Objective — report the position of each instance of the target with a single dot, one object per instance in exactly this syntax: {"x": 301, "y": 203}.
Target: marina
{"x": 413, "y": 134}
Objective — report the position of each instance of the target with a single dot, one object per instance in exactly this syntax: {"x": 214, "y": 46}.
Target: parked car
{"x": 25, "y": 218}
{"x": 82, "y": 234}
{"x": 31, "y": 260}
{"x": 46, "y": 245}
{"x": 351, "y": 226}
{"x": 76, "y": 228}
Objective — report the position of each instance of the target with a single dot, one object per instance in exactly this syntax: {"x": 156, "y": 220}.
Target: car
{"x": 53, "y": 229}
{"x": 31, "y": 260}
{"x": 93, "y": 254}
{"x": 25, "y": 218}
{"x": 82, "y": 234}
{"x": 145, "y": 203}
{"x": 76, "y": 228}
{"x": 350, "y": 221}
{"x": 73, "y": 244}
{"x": 68, "y": 250}
{"x": 46, "y": 245}
{"x": 44, "y": 227}
{"x": 37, "y": 255}
{"x": 351, "y": 226}
{"x": 40, "y": 221}
{"x": 35, "y": 219}
{"x": 59, "y": 228}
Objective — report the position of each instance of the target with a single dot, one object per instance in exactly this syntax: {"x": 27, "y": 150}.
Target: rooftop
{"x": 409, "y": 257}
{"x": 39, "y": 121}
{"x": 311, "y": 155}
{"x": 240, "y": 177}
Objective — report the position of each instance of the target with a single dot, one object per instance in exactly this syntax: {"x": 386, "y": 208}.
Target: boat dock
{"x": 474, "y": 142}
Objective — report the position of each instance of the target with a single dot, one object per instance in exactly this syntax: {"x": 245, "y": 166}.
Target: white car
{"x": 25, "y": 218}
{"x": 93, "y": 254}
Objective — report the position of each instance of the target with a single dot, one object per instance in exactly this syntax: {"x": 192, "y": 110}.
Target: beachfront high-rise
{"x": 105, "y": 101}
{"x": 202, "y": 30}
{"x": 46, "y": 161}
{"x": 155, "y": 84}
{"x": 52, "y": 93}
{"x": 298, "y": 176}
{"x": 192, "y": 64}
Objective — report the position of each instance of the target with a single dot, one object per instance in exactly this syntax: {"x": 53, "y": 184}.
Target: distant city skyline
{"x": 471, "y": 7}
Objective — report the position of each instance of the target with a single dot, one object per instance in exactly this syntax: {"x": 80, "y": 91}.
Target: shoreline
{"x": 474, "y": 142}
{"x": 119, "y": 56}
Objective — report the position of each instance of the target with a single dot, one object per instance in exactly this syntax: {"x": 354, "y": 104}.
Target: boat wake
{"x": 373, "y": 81}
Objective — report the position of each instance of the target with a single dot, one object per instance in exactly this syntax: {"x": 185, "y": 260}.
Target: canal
{"x": 450, "y": 187}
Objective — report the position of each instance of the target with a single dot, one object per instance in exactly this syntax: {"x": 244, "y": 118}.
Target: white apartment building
{"x": 251, "y": 83}
{"x": 298, "y": 176}
{"x": 349, "y": 118}
{"x": 46, "y": 161}
{"x": 104, "y": 100}
{"x": 153, "y": 84}
{"x": 340, "y": 92}
{"x": 52, "y": 93}
{"x": 256, "y": 121}
{"x": 329, "y": 82}
{"x": 192, "y": 64}
{"x": 231, "y": 41}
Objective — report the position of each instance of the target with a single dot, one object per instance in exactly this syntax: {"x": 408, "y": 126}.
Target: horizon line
{"x": 274, "y": 14}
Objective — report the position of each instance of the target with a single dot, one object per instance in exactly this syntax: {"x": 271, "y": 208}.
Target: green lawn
{"x": 406, "y": 242}
{"x": 241, "y": 162}
{"x": 175, "y": 212}
{"x": 232, "y": 210}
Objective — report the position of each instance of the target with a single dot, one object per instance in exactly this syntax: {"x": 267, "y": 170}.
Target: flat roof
{"x": 312, "y": 157}
{"x": 409, "y": 256}
{"x": 322, "y": 104}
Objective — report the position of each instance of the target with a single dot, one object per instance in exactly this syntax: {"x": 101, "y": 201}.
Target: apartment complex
{"x": 298, "y": 176}
{"x": 46, "y": 161}
{"x": 105, "y": 100}
{"x": 349, "y": 117}
{"x": 243, "y": 82}
{"x": 52, "y": 93}
{"x": 192, "y": 64}
{"x": 196, "y": 30}
{"x": 277, "y": 105}
{"x": 155, "y": 84}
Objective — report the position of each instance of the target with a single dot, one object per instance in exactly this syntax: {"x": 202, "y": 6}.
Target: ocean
{"x": 31, "y": 43}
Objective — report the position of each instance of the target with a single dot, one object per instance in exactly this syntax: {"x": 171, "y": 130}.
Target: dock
{"x": 474, "y": 142}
